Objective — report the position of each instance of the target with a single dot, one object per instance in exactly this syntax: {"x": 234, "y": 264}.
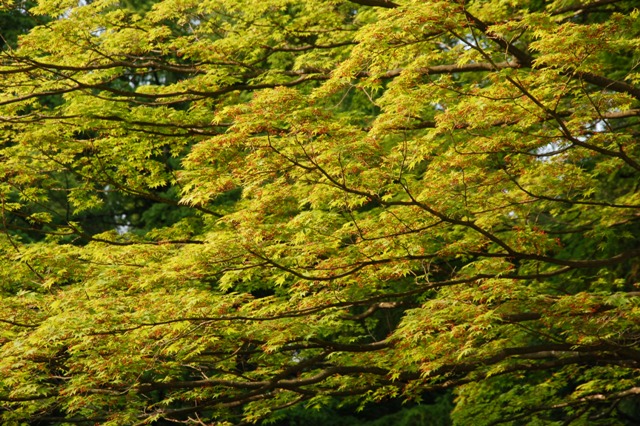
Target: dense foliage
{"x": 228, "y": 211}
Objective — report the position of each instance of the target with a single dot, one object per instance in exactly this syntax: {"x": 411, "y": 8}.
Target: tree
{"x": 216, "y": 212}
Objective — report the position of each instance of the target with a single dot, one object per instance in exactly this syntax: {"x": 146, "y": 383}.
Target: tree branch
{"x": 376, "y": 3}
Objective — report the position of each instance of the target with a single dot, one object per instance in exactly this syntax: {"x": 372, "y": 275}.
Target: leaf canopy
{"x": 218, "y": 212}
